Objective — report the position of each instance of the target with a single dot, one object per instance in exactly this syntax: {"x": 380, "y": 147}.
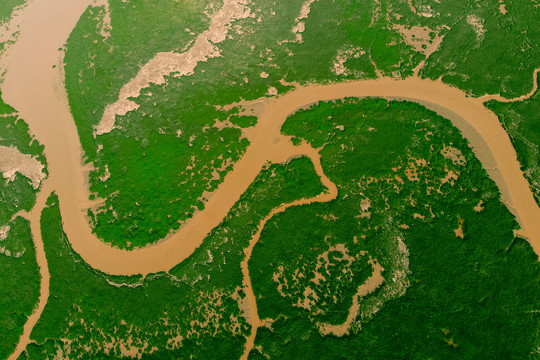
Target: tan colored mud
{"x": 459, "y": 231}
{"x": 477, "y": 25}
{"x": 451, "y": 153}
{"x": 418, "y": 37}
{"x": 479, "y": 207}
{"x": 12, "y": 161}
{"x": 106, "y": 27}
{"x": 502, "y": 7}
{"x": 4, "y": 231}
{"x": 300, "y": 25}
{"x": 422, "y": 10}
{"x": 370, "y": 285}
{"x": 342, "y": 56}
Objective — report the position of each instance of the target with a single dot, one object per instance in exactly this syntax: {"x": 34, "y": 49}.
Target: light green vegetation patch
{"x": 412, "y": 197}
{"x": 194, "y": 311}
{"x": 522, "y": 122}
{"x": 19, "y": 282}
{"x": 7, "y": 7}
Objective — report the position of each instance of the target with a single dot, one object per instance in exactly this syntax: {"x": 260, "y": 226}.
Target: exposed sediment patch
{"x": 422, "y": 38}
{"x": 370, "y": 285}
{"x": 183, "y": 64}
{"x": 12, "y": 161}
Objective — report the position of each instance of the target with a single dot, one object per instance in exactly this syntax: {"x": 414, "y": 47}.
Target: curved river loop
{"x": 36, "y": 90}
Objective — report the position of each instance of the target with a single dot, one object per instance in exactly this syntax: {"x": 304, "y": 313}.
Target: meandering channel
{"x": 50, "y": 120}
{"x": 35, "y": 89}
{"x": 330, "y": 194}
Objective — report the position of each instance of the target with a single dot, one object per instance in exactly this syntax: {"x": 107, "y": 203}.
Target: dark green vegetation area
{"x": 521, "y": 120}
{"x": 194, "y": 310}
{"x": 485, "y": 50}
{"x": 171, "y": 143}
{"x": 19, "y": 283}
{"x": 148, "y": 194}
{"x": 412, "y": 196}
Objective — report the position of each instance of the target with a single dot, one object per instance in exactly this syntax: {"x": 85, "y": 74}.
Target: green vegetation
{"x": 18, "y": 194}
{"x": 168, "y": 315}
{"x": 413, "y": 197}
{"x": 19, "y": 283}
{"x": 243, "y": 121}
{"x": 521, "y": 120}
{"x": 457, "y": 284}
{"x": 7, "y": 7}
{"x": 153, "y": 183}
{"x": 484, "y": 51}
{"x": 172, "y": 148}
{"x": 171, "y": 143}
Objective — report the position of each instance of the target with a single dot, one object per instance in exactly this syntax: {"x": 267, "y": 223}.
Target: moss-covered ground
{"x": 412, "y": 196}
{"x": 194, "y": 310}
{"x": 19, "y": 283}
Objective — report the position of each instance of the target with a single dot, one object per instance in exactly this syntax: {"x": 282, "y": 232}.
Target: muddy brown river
{"x": 36, "y": 90}
{"x": 53, "y": 127}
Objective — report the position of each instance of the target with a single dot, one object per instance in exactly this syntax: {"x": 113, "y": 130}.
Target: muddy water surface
{"x": 489, "y": 140}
